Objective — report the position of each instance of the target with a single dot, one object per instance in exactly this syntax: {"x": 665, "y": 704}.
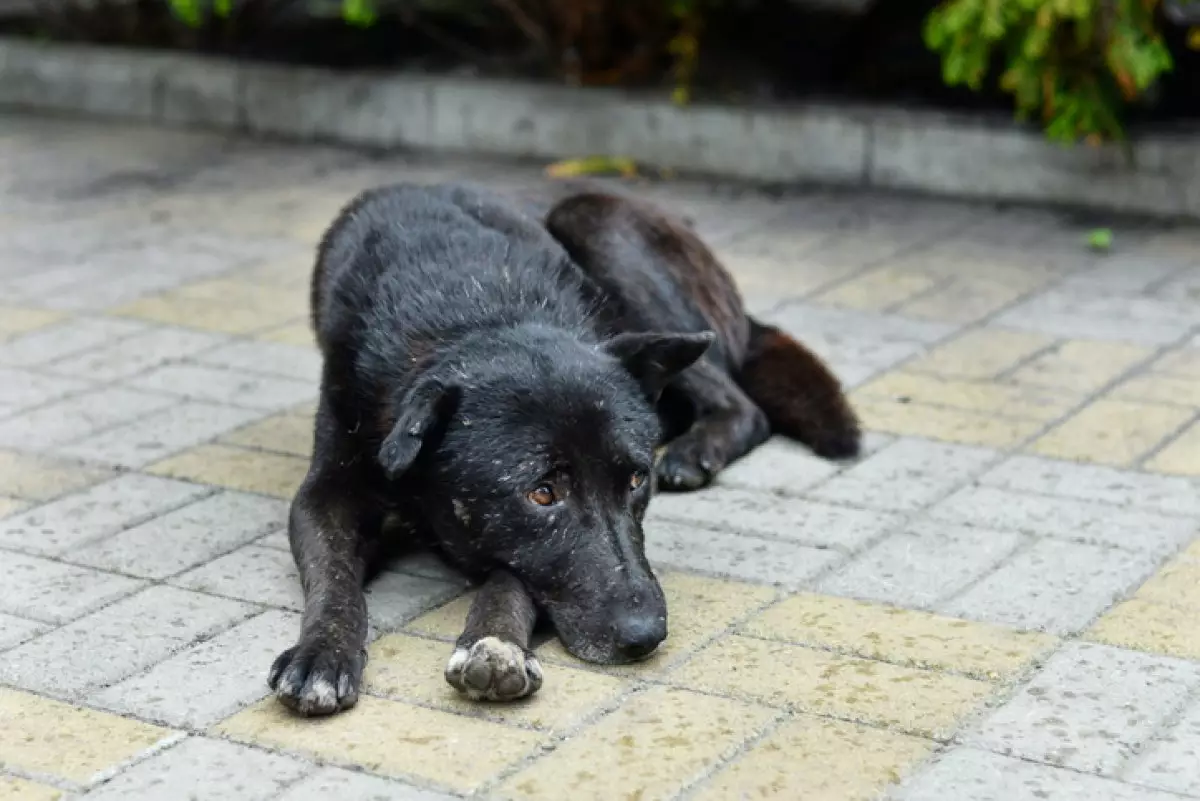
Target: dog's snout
{"x": 638, "y": 634}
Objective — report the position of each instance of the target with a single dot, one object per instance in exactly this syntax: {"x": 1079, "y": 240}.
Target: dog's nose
{"x": 638, "y": 635}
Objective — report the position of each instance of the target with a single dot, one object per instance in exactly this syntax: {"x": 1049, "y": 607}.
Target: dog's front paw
{"x": 494, "y": 670}
{"x": 685, "y": 466}
{"x": 316, "y": 679}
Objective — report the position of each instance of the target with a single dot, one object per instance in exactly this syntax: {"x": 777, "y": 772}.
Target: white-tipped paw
{"x": 494, "y": 670}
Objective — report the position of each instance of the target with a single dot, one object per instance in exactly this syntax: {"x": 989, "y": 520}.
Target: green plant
{"x": 1075, "y": 63}
{"x": 194, "y": 13}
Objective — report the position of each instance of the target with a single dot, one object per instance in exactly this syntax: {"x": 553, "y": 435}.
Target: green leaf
{"x": 359, "y": 13}
{"x": 1100, "y": 238}
{"x": 223, "y": 8}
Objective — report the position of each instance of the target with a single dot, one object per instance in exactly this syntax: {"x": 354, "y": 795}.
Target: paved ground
{"x": 998, "y": 602}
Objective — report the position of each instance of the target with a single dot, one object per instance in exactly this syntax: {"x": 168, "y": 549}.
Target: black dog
{"x": 498, "y": 375}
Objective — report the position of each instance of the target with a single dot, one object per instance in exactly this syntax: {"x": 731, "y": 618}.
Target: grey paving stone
{"x": 233, "y": 387}
{"x": 104, "y": 509}
{"x": 922, "y": 565}
{"x": 78, "y": 416}
{"x": 16, "y": 630}
{"x": 135, "y": 354}
{"x": 1090, "y": 708}
{"x": 1068, "y": 519}
{"x": 186, "y": 537}
{"x": 1053, "y": 586}
{"x": 200, "y": 769}
{"x": 1171, "y": 761}
{"x": 344, "y": 785}
{"x": 778, "y": 465}
{"x": 1165, "y": 494}
{"x": 116, "y": 642}
{"x": 1075, "y": 315}
{"x": 273, "y": 358}
{"x": 262, "y": 575}
{"x": 209, "y": 681}
{"x": 160, "y": 435}
{"x": 66, "y": 338}
{"x": 767, "y": 514}
{"x": 738, "y": 556}
{"x": 967, "y": 774}
{"x": 906, "y": 475}
{"x": 23, "y": 389}
{"x": 52, "y": 592}
{"x": 393, "y": 599}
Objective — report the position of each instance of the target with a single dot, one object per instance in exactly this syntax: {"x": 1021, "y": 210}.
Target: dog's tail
{"x": 800, "y": 396}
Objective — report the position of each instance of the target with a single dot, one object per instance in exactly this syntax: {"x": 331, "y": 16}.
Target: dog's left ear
{"x": 421, "y": 408}
{"x": 654, "y": 359}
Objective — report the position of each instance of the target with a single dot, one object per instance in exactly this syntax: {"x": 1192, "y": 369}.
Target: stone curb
{"x": 958, "y": 155}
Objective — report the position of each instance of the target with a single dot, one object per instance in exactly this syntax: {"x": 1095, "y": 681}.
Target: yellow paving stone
{"x": 649, "y": 748}
{"x": 21, "y": 790}
{"x": 902, "y": 636}
{"x": 293, "y": 272}
{"x": 16, "y": 320}
{"x": 1011, "y": 400}
{"x": 920, "y": 702}
{"x": 291, "y": 301}
{"x": 1145, "y": 626}
{"x": 1082, "y": 366}
{"x": 446, "y": 622}
{"x": 285, "y": 433}
{"x": 1112, "y": 432}
{"x": 1182, "y": 456}
{"x": 236, "y": 468}
{"x": 10, "y": 506}
{"x": 38, "y": 735}
{"x": 878, "y": 290}
{"x": 1174, "y": 390}
{"x": 410, "y": 669}
{"x": 981, "y": 354}
{"x": 949, "y": 425}
{"x": 390, "y": 738}
{"x": 1184, "y": 362}
{"x": 205, "y": 315}
{"x": 964, "y": 301}
{"x": 300, "y": 334}
{"x": 758, "y": 274}
{"x": 1177, "y": 584}
{"x": 39, "y": 478}
{"x": 817, "y": 759}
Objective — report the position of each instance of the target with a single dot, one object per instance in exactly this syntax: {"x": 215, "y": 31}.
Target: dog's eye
{"x": 637, "y": 479}
{"x": 543, "y": 495}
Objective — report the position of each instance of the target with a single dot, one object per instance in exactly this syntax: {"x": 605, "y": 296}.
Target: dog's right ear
{"x": 419, "y": 411}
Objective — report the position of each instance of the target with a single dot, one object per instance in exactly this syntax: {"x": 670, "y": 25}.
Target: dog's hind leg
{"x": 491, "y": 659}
{"x": 726, "y": 426}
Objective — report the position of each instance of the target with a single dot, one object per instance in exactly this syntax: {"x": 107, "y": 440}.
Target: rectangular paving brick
{"x": 1087, "y": 482}
{"x": 806, "y": 522}
{"x": 200, "y": 769}
{"x": 1053, "y": 586}
{"x": 780, "y": 466}
{"x": 981, "y": 397}
{"x": 232, "y": 387}
{"x": 915, "y": 701}
{"x": 77, "y": 417}
{"x": 878, "y": 289}
{"x": 1113, "y": 432}
{"x": 1090, "y": 708}
{"x": 16, "y": 630}
{"x": 40, "y": 478}
{"x": 1144, "y": 625}
{"x": 407, "y": 668}
{"x": 65, "y": 339}
{"x": 290, "y": 433}
{"x": 18, "y": 320}
{"x": 922, "y": 565}
{"x": 1081, "y": 366}
{"x": 132, "y": 355}
{"x": 160, "y": 435}
{"x": 817, "y": 759}
{"x": 66, "y": 524}
{"x": 345, "y": 785}
{"x": 210, "y": 680}
{"x": 1067, "y": 519}
{"x": 186, "y": 537}
{"x": 13, "y": 789}
{"x": 392, "y": 739}
{"x": 1139, "y": 319}
{"x": 117, "y": 641}
{"x": 1180, "y": 455}
{"x": 52, "y": 592}
{"x": 900, "y": 636}
{"x": 739, "y": 556}
{"x": 651, "y": 747}
{"x": 206, "y": 315}
{"x": 272, "y": 474}
{"x": 24, "y": 389}
{"x": 968, "y": 774}
{"x": 981, "y": 354}
{"x": 1168, "y": 762}
{"x": 1170, "y": 390}
{"x": 906, "y": 475}
{"x": 902, "y": 418}
{"x": 289, "y": 361}
{"x": 72, "y": 744}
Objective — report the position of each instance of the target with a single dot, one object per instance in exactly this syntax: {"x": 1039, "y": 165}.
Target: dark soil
{"x": 776, "y": 52}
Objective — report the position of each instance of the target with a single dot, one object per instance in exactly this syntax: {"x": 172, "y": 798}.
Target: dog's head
{"x": 537, "y": 454}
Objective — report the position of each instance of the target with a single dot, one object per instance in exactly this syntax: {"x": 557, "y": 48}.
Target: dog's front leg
{"x": 321, "y": 674}
{"x": 491, "y": 659}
